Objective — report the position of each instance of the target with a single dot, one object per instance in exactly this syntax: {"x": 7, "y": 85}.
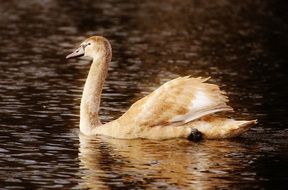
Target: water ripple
{"x": 241, "y": 45}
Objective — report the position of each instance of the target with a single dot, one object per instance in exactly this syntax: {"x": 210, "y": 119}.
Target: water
{"x": 241, "y": 45}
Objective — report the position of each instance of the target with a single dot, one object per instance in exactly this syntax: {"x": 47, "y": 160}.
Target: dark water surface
{"x": 242, "y": 45}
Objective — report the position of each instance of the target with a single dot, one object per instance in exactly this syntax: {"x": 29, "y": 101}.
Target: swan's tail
{"x": 214, "y": 127}
{"x": 236, "y": 128}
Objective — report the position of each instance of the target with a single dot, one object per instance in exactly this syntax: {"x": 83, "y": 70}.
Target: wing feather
{"x": 180, "y": 100}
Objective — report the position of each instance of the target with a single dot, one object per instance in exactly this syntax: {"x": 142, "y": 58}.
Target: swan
{"x": 181, "y": 108}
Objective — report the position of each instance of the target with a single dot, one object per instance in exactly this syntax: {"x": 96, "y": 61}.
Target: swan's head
{"x": 94, "y": 47}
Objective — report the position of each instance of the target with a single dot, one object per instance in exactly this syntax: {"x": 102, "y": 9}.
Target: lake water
{"x": 242, "y": 45}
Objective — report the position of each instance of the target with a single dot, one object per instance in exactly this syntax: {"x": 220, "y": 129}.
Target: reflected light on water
{"x": 242, "y": 45}
{"x": 165, "y": 164}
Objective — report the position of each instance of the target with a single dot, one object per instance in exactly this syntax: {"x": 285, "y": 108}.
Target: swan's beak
{"x": 77, "y": 53}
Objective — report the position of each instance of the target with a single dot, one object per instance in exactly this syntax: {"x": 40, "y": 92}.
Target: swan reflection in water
{"x": 113, "y": 163}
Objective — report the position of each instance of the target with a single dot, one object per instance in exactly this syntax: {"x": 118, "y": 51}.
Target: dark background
{"x": 242, "y": 45}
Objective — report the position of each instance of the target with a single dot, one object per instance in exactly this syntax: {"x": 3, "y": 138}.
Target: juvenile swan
{"x": 180, "y": 108}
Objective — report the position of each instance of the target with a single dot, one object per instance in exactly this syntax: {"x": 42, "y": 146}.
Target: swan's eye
{"x": 89, "y": 43}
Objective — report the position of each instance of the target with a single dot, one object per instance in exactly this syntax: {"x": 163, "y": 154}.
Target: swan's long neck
{"x": 91, "y": 96}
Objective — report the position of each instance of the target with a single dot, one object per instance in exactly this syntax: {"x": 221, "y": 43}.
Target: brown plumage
{"x": 171, "y": 111}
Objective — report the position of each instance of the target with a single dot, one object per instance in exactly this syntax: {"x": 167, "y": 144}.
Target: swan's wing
{"x": 178, "y": 101}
